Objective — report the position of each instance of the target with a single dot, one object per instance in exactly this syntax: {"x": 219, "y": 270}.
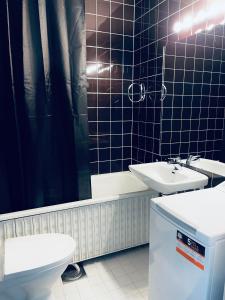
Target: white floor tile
{"x": 123, "y": 280}
{"x": 121, "y": 276}
{"x": 58, "y": 290}
{"x": 71, "y": 292}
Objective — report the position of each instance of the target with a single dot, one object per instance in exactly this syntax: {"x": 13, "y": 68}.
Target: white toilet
{"x": 33, "y": 264}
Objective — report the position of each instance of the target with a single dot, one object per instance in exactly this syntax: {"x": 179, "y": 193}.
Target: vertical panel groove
{"x": 97, "y": 229}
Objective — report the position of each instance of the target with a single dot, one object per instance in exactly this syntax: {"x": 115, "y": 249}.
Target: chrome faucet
{"x": 174, "y": 160}
{"x": 192, "y": 158}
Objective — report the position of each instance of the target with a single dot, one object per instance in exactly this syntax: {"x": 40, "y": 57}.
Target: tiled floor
{"x": 119, "y": 276}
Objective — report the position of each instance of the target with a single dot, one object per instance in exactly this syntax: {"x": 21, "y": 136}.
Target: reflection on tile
{"x": 91, "y": 22}
{"x": 91, "y": 38}
{"x": 91, "y": 54}
{"x": 103, "y": 8}
{"x": 103, "y": 39}
{"x": 116, "y": 10}
{"x": 103, "y": 24}
{"x": 103, "y": 86}
{"x": 90, "y": 6}
{"x": 103, "y": 55}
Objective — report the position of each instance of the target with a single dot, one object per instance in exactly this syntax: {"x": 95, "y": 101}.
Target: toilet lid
{"x": 36, "y": 251}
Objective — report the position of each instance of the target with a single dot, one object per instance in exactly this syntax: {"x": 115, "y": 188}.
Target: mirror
{"x": 192, "y": 115}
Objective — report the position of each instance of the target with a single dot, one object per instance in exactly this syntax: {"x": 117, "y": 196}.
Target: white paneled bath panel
{"x": 116, "y": 218}
{"x": 97, "y": 228}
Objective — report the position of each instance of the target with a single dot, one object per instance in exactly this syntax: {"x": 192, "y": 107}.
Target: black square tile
{"x": 128, "y": 12}
{"x": 117, "y": 26}
{"x": 103, "y": 24}
{"x": 116, "y": 10}
{"x": 91, "y": 54}
{"x": 103, "y": 39}
{"x": 91, "y": 38}
{"x": 103, "y": 7}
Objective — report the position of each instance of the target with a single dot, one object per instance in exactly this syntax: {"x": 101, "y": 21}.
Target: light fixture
{"x": 211, "y": 14}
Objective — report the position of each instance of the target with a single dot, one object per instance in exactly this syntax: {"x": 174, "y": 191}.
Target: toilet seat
{"x": 28, "y": 254}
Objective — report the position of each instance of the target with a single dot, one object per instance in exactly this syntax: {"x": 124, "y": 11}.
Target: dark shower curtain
{"x": 43, "y": 110}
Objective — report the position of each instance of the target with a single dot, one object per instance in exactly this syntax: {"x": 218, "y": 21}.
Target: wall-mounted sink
{"x": 208, "y": 165}
{"x": 160, "y": 177}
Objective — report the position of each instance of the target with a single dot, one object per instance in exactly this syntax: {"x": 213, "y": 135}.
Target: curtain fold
{"x": 44, "y": 135}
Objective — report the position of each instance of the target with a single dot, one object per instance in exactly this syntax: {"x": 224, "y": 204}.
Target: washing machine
{"x": 187, "y": 246}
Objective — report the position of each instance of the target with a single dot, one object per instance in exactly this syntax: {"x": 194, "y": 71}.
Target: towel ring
{"x": 142, "y": 92}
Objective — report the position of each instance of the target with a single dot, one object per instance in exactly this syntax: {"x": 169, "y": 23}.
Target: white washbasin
{"x": 209, "y": 165}
{"x": 159, "y": 177}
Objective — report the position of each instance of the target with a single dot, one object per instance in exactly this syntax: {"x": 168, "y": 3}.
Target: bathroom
{"x": 91, "y": 90}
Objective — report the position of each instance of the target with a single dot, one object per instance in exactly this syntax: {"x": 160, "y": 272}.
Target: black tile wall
{"x": 109, "y": 38}
{"x": 148, "y": 54}
{"x": 193, "y": 111}
{"x": 191, "y": 118}
{"x": 127, "y": 42}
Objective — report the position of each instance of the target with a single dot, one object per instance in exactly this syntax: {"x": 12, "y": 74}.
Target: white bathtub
{"x": 114, "y": 184}
{"x": 116, "y": 218}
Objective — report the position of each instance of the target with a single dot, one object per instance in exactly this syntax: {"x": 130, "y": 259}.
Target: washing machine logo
{"x": 190, "y": 243}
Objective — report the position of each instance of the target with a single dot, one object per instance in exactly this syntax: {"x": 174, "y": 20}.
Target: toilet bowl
{"x": 33, "y": 264}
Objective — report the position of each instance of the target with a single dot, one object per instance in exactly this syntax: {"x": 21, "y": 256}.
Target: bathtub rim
{"x": 74, "y": 204}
